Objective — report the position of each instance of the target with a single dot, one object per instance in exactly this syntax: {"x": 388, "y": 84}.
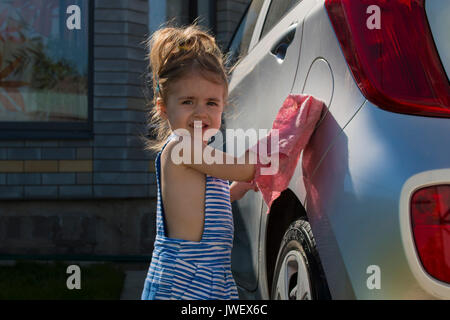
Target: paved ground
{"x": 134, "y": 281}
{"x": 135, "y": 274}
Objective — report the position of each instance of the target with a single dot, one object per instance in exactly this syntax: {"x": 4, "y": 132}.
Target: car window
{"x": 241, "y": 40}
{"x": 277, "y": 10}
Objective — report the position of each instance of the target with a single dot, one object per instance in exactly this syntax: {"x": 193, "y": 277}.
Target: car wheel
{"x": 298, "y": 273}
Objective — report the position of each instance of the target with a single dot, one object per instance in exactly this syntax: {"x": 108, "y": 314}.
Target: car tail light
{"x": 430, "y": 218}
{"x": 397, "y": 66}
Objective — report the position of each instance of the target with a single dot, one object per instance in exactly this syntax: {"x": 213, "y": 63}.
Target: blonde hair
{"x": 175, "y": 52}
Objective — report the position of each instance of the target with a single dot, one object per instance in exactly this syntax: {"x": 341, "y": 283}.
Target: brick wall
{"x": 121, "y": 167}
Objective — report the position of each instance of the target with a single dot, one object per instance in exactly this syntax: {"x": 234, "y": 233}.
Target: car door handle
{"x": 280, "y": 48}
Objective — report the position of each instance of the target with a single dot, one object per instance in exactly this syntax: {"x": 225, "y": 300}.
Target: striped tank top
{"x": 190, "y": 270}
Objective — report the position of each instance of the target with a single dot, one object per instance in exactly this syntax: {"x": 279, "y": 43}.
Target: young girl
{"x": 192, "y": 251}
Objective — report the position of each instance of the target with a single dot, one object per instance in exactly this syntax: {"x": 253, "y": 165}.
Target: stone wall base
{"x": 81, "y": 228}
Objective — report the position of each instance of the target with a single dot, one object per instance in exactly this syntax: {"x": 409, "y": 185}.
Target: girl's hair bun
{"x": 175, "y": 51}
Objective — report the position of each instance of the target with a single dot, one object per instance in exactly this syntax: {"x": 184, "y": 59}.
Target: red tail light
{"x": 430, "y": 217}
{"x": 397, "y": 66}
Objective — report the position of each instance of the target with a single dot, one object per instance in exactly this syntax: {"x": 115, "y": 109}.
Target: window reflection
{"x": 43, "y": 64}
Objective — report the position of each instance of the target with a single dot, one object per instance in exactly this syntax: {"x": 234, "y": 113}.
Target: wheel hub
{"x": 293, "y": 278}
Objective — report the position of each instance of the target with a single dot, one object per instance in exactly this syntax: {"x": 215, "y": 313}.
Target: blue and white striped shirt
{"x": 190, "y": 270}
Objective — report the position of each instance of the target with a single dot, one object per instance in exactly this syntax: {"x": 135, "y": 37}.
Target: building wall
{"x": 89, "y": 196}
{"x": 77, "y": 228}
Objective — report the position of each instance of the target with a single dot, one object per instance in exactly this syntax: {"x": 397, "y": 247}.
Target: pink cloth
{"x": 295, "y": 122}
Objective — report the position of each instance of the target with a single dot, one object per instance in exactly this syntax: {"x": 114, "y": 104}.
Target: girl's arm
{"x": 238, "y": 189}
{"x": 224, "y": 166}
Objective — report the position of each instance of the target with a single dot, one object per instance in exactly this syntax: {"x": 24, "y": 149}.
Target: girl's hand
{"x": 239, "y": 188}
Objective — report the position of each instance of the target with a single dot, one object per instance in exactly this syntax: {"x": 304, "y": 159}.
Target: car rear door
{"x": 264, "y": 77}
{"x": 259, "y": 84}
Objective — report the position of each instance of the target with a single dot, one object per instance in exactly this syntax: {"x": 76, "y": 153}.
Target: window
{"x": 241, "y": 40}
{"x": 45, "y": 68}
{"x": 277, "y": 10}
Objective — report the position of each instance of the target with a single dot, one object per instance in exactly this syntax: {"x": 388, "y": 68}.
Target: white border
{"x": 433, "y": 286}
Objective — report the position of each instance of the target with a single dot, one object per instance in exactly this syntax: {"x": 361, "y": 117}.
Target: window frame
{"x": 261, "y": 35}
{"x": 52, "y": 130}
{"x": 236, "y": 29}
{"x": 256, "y": 31}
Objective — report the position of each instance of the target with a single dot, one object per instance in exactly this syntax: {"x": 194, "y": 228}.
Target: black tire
{"x": 298, "y": 248}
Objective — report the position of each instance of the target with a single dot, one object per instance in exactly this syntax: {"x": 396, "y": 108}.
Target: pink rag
{"x": 295, "y": 122}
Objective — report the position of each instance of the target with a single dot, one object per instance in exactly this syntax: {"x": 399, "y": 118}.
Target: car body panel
{"x": 319, "y": 83}
{"x": 360, "y": 182}
{"x": 261, "y": 72}
{"x": 343, "y": 98}
{"x": 247, "y": 240}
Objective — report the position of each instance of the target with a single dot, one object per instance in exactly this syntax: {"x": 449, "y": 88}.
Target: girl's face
{"x": 194, "y": 98}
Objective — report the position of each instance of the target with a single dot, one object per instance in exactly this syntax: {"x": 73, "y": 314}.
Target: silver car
{"x": 367, "y": 212}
